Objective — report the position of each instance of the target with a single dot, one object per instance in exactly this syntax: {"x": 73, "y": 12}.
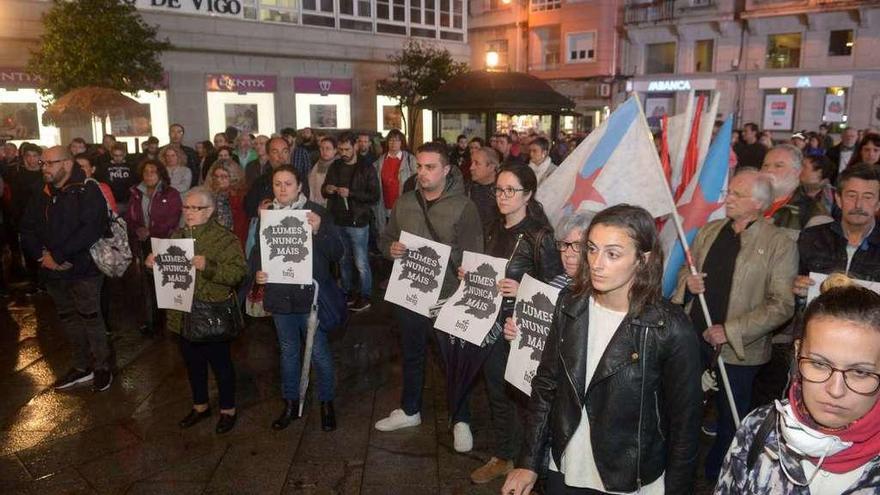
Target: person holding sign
{"x": 220, "y": 267}
{"x": 824, "y": 438}
{"x": 524, "y": 236}
{"x": 617, "y": 396}
{"x": 438, "y": 210}
{"x": 291, "y": 304}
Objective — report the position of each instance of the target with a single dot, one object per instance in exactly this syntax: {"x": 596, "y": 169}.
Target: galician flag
{"x": 702, "y": 202}
{"x": 616, "y": 163}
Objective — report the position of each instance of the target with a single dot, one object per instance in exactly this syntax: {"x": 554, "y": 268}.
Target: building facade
{"x": 259, "y": 65}
{"x": 784, "y": 65}
{"x": 571, "y": 44}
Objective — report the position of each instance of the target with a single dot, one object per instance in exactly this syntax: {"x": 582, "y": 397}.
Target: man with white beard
{"x": 783, "y": 165}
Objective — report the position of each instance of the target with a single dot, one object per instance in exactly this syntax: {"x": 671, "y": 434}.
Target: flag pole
{"x": 679, "y": 228}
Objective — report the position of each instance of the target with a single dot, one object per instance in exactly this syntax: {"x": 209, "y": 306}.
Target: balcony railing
{"x": 656, "y": 11}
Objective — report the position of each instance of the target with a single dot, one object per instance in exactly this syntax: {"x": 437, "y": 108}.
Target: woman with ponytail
{"x": 824, "y": 439}
{"x": 523, "y": 235}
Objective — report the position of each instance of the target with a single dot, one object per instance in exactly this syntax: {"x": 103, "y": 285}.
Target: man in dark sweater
{"x": 749, "y": 152}
{"x": 118, "y": 174}
{"x": 352, "y": 189}
{"x": 481, "y": 188}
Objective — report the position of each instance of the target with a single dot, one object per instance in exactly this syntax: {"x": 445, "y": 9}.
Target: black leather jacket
{"x": 643, "y": 403}
{"x": 822, "y": 249}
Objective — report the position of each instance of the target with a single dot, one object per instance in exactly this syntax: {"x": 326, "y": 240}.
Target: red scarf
{"x": 864, "y": 433}
{"x": 776, "y": 205}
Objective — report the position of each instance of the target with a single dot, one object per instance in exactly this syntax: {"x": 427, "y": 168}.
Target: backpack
{"x": 112, "y": 253}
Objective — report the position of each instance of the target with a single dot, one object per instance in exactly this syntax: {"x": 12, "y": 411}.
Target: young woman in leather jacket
{"x": 524, "y": 236}
{"x": 617, "y": 396}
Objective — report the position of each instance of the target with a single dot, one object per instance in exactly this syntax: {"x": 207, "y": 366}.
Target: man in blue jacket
{"x": 61, "y": 222}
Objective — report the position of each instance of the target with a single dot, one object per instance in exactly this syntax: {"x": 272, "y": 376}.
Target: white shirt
{"x": 578, "y": 463}
{"x": 826, "y": 483}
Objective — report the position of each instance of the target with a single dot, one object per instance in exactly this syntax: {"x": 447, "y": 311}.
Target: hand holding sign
{"x": 286, "y": 245}
{"x": 174, "y": 272}
{"x": 418, "y": 272}
{"x": 533, "y": 314}
{"x": 471, "y": 312}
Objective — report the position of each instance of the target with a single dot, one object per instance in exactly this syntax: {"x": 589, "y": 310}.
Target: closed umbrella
{"x": 311, "y": 328}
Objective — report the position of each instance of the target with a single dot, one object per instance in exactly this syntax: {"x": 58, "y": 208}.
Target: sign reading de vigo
{"x": 226, "y": 8}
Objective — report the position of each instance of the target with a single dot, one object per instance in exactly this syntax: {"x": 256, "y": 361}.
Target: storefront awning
{"x": 502, "y": 92}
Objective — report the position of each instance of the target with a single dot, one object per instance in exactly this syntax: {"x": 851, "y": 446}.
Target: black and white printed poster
{"x": 286, "y": 246}
{"x": 470, "y": 313}
{"x": 533, "y": 314}
{"x": 173, "y": 273}
{"x": 417, "y": 278}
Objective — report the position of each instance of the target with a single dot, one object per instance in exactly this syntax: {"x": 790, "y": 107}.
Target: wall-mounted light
{"x": 491, "y": 59}
{"x": 783, "y": 90}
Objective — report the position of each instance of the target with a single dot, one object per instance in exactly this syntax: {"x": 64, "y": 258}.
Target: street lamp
{"x": 491, "y": 60}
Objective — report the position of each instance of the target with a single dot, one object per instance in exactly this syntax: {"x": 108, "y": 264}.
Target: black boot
{"x": 328, "y": 416}
{"x": 288, "y": 415}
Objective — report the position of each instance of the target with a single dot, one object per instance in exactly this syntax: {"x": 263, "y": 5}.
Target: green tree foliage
{"x": 419, "y": 70}
{"x": 96, "y": 43}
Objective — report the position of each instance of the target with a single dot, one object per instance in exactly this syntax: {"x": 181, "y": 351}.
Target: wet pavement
{"x": 126, "y": 440}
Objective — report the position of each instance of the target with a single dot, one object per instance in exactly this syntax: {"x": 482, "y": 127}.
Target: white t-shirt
{"x": 826, "y": 483}
{"x": 578, "y": 465}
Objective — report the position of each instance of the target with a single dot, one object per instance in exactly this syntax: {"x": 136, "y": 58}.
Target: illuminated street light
{"x": 491, "y": 59}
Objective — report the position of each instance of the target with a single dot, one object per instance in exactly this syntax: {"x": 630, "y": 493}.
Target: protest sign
{"x": 470, "y": 313}
{"x": 286, "y": 246}
{"x": 820, "y": 278}
{"x": 174, "y": 275}
{"x": 417, "y": 277}
{"x": 533, "y": 313}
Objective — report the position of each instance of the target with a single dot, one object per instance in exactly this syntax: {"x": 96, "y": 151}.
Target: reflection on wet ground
{"x": 126, "y": 440}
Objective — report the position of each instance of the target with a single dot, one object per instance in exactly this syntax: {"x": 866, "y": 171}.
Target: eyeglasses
{"x": 859, "y": 381}
{"x": 43, "y": 163}
{"x": 562, "y": 246}
{"x": 194, "y": 208}
{"x": 506, "y": 193}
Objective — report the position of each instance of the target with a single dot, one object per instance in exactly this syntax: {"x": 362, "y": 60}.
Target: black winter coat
{"x": 65, "y": 222}
{"x": 363, "y": 192}
{"x": 822, "y": 249}
{"x": 643, "y": 403}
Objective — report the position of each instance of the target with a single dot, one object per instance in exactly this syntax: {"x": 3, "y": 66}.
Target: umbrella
{"x": 311, "y": 327}
{"x": 80, "y": 105}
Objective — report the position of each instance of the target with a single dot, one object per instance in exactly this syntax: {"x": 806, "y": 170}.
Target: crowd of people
{"x": 627, "y": 380}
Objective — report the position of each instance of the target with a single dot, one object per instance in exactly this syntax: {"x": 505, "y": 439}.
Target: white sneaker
{"x": 462, "y": 439}
{"x": 397, "y": 420}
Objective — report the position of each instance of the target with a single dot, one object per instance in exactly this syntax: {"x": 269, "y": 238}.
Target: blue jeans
{"x": 291, "y": 329}
{"x": 357, "y": 240}
{"x": 741, "y": 380}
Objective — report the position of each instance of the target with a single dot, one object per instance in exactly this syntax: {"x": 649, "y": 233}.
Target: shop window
{"x": 544, "y": 48}
{"x": 541, "y": 5}
{"x": 704, "y": 54}
{"x": 840, "y": 43}
{"x": 660, "y": 58}
{"x": 784, "y": 51}
{"x": 499, "y": 47}
{"x": 779, "y": 109}
{"x": 286, "y": 11}
{"x": 581, "y": 47}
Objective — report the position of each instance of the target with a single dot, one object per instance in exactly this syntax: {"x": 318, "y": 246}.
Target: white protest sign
{"x": 533, "y": 313}
{"x": 286, "y": 246}
{"x": 173, "y": 273}
{"x": 417, "y": 278}
{"x": 816, "y": 289}
{"x": 470, "y": 313}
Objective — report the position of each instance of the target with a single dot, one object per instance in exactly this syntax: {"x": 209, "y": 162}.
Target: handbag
{"x": 213, "y": 321}
{"x": 112, "y": 252}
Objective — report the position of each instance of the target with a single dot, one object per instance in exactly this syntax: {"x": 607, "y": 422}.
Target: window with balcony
{"x": 544, "y": 48}
{"x": 660, "y": 58}
{"x": 840, "y": 43}
{"x": 580, "y": 47}
{"x": 704, "y": 54}
{"x": 784, "y": 51}
{"x": 392, "y": 14}
{"x": 499, "y": 47}
{"x": 542, "y": 5}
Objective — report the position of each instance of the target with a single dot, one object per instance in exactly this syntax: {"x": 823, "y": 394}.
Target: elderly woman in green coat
{"x": 220, "y": 267}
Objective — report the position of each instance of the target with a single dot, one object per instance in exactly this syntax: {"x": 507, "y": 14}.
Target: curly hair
{"x": 236, "y": 176}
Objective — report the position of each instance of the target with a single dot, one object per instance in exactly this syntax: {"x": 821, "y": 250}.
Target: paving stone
{"x": 52, "y": 455}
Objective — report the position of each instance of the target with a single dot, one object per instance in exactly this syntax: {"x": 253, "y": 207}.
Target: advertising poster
{"x": 470, "y": 313}
{"x": 533, "y": 313}
{"x": 19, "y": 121}
{"x": 778, "y": 112}
{"x": 138, "y": 125}
{"x": 242, "y": 116}
{"x": 835, "y": 107}
{"x": 173, "y": 273}
{"x": 391, "y": 118}
{"x": 323, "y": 116}
{"x": 286, "y": 246}
{"x": 417, "y": 278}
{"x": 821, "y": 278}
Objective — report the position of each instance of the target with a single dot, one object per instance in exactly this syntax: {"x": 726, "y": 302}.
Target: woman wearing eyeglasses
{"x": 523, "y": 235}
{"x": 226, "y": 181}
{"x": 825, "y": 438}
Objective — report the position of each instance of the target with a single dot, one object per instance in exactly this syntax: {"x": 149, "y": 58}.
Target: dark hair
{"x": 84, "y": 156}
{"x": 152, "y": 140}
{"x": 858, "y": 171}
{"x": 26, "y": 147}
{"x": 461, "y": 136}
{"x": 160, "y": 169}
{"x": 329, "y": 139}
{"x": 347, "y": 137}
{"x": 529, "y": 182}
{"x": 78, "y": 140}
{"x": 111, "y": 136}
{"x": 364, "y": 133}
{"x": 231, "y": 133}
{"x": 639, "y": 225}
{"x": 478, "y": 140}
{"x": 542, "y": 142}
{"x": 867, "y": 138}
{"x": 751, "y": 125}
{"x": 432, "y": 147}
{"x": 172, "y": 126}
{"x": 396, "y": 134}
{"x": 823, "y": 164}
{"x": 120, "y": 147}
{"x": 208, "y": 145}
{"x": 276, "y": 138}
{"x": 504, "y": 137}
{"x": 288, "y": 131}
{"x": 287, "y": 168}
{"x": 852, "y": 303}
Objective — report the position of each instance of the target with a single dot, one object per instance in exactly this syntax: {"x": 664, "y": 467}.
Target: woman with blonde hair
{"x": 175, "y": 162}
{"x": 226, "y": 180}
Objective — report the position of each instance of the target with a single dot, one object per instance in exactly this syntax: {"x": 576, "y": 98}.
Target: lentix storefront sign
{"x": 240, "y": 83}
{"x": 226, "y": 8}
